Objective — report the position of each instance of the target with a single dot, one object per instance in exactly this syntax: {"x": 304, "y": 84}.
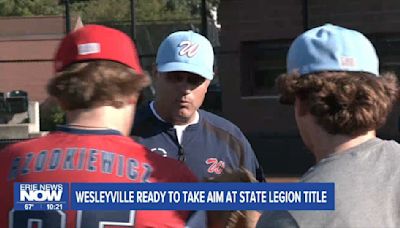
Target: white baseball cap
{"x": 186, "y": 51}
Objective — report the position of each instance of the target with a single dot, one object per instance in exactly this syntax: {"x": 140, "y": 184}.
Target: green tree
{"x": 29, "y": 7}
{"x": 103, "y": 10}
{"x": 107, "y": 10}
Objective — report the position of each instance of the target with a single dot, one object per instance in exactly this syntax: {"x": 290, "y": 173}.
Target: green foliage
{"x": 103, "y": 10}
{"x": 107, "y": 10}
{"x": 158, "y": 10}
{"x": 146, "y": 10}
{"x": 29, "y": 7}
{"x": 58, "y": 115}
{"x": 51, "y": 117}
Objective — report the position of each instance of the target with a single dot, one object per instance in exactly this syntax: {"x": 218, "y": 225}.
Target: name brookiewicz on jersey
{"x": 90, "y": 160}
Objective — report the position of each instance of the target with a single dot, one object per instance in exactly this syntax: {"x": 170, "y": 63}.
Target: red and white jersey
{"x": 74, "y": 155}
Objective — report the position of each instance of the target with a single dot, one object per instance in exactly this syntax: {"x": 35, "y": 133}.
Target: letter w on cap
{"x": 188, "y": 48}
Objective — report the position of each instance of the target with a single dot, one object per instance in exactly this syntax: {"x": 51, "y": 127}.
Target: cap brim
{"x": 178, "y": 66}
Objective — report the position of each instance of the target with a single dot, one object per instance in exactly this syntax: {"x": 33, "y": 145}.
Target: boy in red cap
{"x": 98, "y": 81}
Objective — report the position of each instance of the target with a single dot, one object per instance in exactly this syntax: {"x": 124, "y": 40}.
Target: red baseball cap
{"x": 96, "y": 42}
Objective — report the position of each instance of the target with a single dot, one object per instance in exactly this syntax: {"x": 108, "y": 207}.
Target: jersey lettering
{"x": 107, "y": 162}
{"x": 92, "y": 159}
{"x": 69, "y": 162}
{"x": 28, "y": 160}
{"x": 40, "y": 161}
{"x": 55, "y": 159}
{"x": 121, "y": 159}
{"x": 132, "y": 166}
{"x": 14, "y": 168}
{"x": 82, "y": 156}
{"x": 96, "y": 161}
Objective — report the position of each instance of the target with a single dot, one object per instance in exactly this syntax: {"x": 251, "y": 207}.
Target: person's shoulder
{"x": 28, "y": 143}
{"x": 221, "y": 123}
{"x": 277, "y": 219}
{"x": 388, "y": 151}
{"x": 376, "y": 150}
{"x": 215, "y": 118}
{"x": 391, "y": 145}
{"x": 380, "y": 149}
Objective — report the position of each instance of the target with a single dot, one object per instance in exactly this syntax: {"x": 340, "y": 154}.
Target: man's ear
{"x": 154, "y": 75}
{"x": 208, "y": 82}
{"x": 301, "y": 107}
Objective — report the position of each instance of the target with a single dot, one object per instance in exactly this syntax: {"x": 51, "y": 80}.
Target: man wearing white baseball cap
{"x": 175, "y": 126}
{"x": 340, "y": 99}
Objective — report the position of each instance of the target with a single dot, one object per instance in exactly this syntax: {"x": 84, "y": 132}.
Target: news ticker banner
{"x": 41, "y": 196}
{"x": 174, "y": 196}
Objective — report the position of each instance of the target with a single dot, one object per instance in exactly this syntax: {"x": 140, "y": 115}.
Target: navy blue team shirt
{"x": 207, "y": 147}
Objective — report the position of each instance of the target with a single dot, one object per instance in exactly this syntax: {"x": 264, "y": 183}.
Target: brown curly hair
{"x": 348, "y": 103}
{"x": 96, "y": 83}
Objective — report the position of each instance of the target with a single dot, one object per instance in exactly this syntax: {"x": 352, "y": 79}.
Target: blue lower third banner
{"x": 203, "y": 196}
{"x": 41, "y": 196}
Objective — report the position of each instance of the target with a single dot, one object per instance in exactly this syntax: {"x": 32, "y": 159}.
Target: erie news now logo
{"x": 39, "y": 196}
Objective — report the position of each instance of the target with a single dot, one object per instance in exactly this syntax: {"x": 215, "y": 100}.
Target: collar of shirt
{"x": 80, "y": 131}
{"x": 179, "y": 128}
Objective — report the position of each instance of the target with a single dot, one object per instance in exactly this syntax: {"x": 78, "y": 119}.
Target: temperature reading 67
{"x": 28, "y": 206}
